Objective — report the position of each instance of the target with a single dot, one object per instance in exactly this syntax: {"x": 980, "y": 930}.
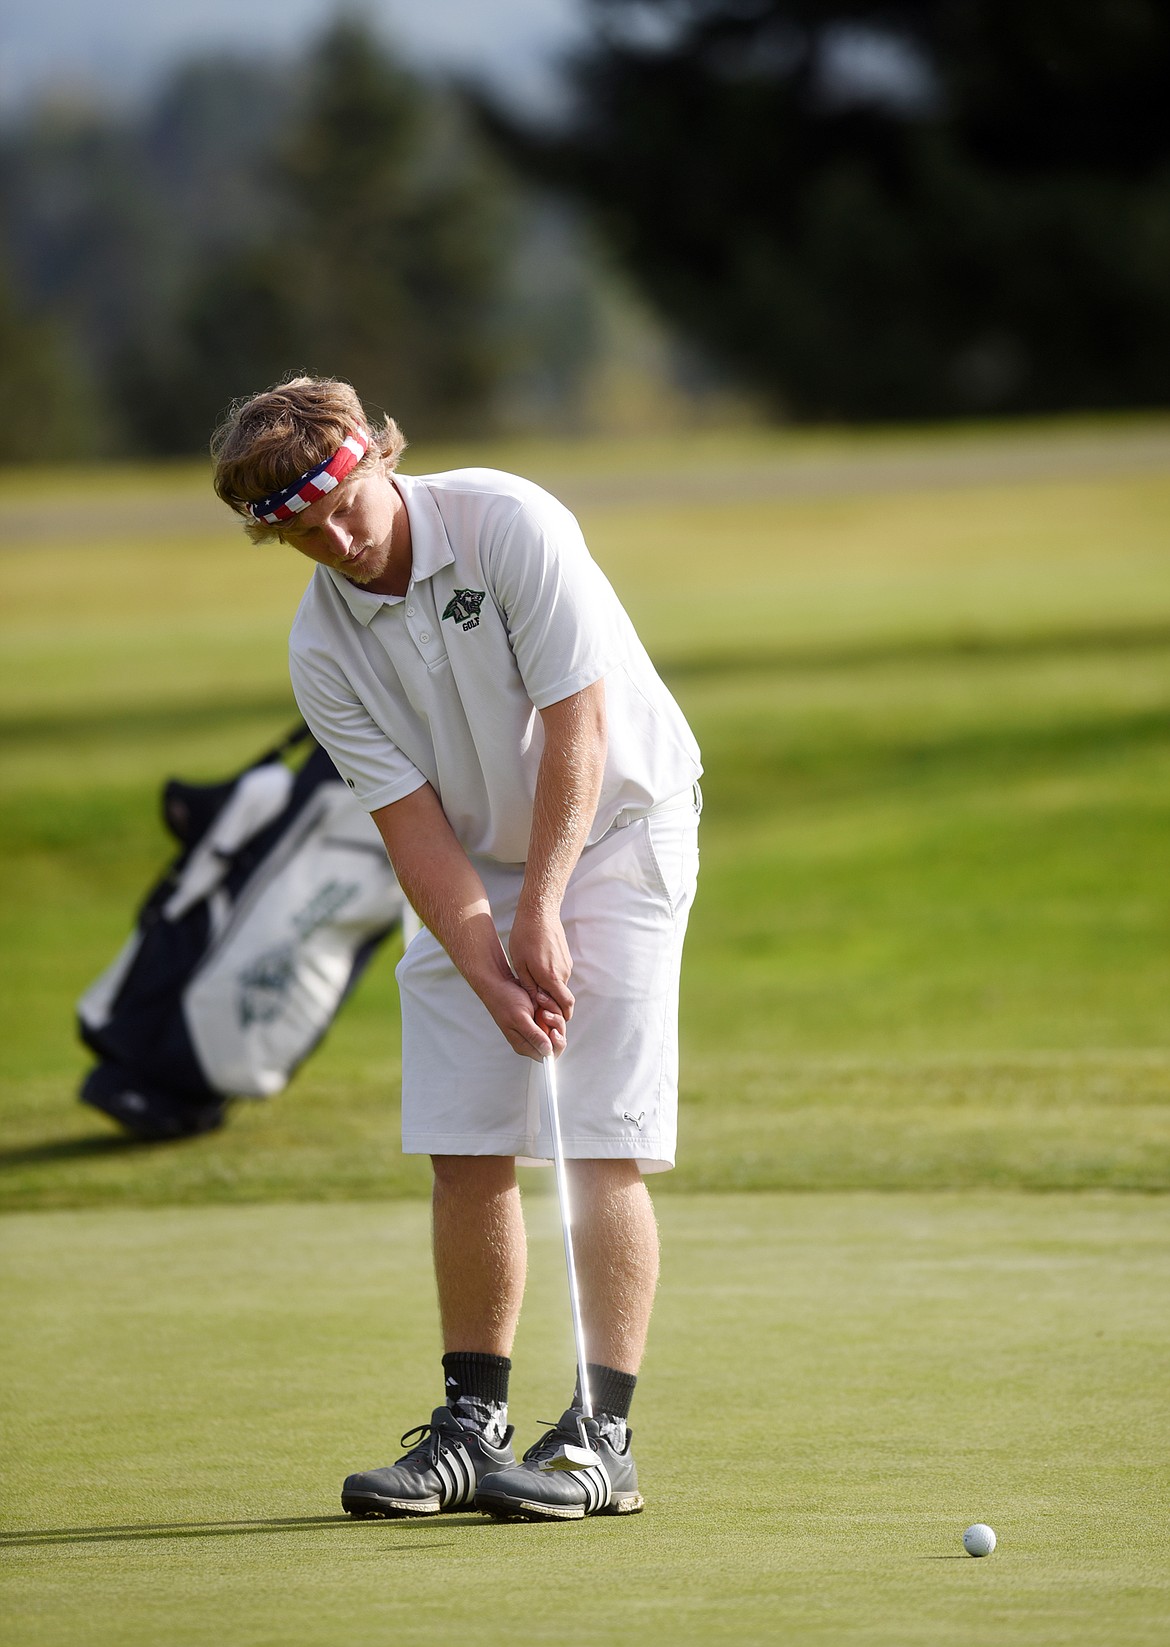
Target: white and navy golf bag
{"x": 244, "y": 950}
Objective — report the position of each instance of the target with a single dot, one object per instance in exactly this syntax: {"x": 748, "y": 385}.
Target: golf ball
{"x": 979, "y": 1540}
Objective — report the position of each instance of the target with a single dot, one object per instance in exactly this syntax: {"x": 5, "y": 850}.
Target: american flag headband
{"x": 313, "y": 484}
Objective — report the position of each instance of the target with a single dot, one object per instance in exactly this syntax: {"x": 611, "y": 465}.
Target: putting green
{"x": 838, "y": 1385}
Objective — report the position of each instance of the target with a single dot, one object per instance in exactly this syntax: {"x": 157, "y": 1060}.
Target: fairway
{"x": 929, "y": 676}
{"x": 857, "y": 1378}
{"x": 916, "y": 1252}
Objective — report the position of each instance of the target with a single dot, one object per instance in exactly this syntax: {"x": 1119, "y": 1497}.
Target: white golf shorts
{"x": 465, "y": 1092}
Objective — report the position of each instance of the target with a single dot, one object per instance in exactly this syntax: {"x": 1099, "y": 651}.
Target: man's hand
{"x": 541, "y": 960}
{"x": 533, "y": 1028}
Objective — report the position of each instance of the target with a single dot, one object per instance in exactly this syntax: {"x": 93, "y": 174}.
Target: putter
{"x": 568, "y": 1457}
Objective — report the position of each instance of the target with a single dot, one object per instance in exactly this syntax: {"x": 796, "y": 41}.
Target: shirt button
{"x": 410, "y": 611}
{"x": 424, "y": 637}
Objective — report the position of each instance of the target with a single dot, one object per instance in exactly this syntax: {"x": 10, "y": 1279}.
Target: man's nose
{"x": 339, "y": 538}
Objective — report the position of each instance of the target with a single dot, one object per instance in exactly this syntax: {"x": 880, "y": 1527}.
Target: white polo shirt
{"x": 506, "y": 613}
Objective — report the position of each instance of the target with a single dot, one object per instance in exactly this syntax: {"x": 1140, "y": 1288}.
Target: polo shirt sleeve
{"x": 370, "y": 763}
{"x": 565, "y": 625}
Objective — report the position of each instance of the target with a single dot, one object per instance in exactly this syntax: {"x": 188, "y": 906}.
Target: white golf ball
{"x": 979, "y": 1540}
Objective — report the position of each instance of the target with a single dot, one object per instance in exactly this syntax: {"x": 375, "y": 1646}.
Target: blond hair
{"x": 269, "y": 440}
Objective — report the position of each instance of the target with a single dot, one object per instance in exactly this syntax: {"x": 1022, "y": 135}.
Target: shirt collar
{"x": 430, "y": 550}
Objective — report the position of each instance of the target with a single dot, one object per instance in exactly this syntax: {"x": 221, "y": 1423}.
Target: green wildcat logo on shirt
{"x": 464, "y": 607}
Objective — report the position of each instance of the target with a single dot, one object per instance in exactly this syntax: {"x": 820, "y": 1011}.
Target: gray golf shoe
{"x": 439, "y": 1473}
{"x": 546, "y": 1486}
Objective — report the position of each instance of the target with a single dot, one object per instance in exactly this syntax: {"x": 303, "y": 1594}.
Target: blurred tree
{"x": 336, "y": 215}
{"x": 380, "y": 263}
{"x": 108, "y": 217}
{"x": 231, "y": 334}
{"x": 84, "y": 253}
{"x": 48, "y": 405}
{"x": 872, "y": 208}
{"x": 392, "y": 242}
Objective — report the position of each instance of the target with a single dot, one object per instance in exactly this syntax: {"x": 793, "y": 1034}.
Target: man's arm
{"x": 568, "y": 786}
{"x": 443, "y": 886}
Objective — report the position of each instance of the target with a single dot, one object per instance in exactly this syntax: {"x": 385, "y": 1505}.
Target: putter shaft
{"x": 562, "y": 1177}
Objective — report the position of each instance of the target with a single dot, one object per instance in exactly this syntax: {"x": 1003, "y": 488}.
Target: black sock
{"x": 610, "y": 1392}
{"x": 477, "y": 1391}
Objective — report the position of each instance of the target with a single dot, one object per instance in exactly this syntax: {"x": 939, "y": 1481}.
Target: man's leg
{"x": 615, "y": 1243}
{"x": 480, "y": 1260}
{"x": 481, "y": 1255}
{"x": 481, "y": 1252}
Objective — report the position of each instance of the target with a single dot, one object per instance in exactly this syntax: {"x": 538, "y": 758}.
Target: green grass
{"x": 932, "y": 944}
{"x": 931, "y": 953}
{"x": 857, "y": 1378}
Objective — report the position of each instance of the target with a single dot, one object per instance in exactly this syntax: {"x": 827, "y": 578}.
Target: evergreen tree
{"x": 390, "y": 244}
{"x": 48, "y": 405}
{"x": 377, "y": 264}
{"x": 874, "y": 208}
{"x": 334, "y": 215}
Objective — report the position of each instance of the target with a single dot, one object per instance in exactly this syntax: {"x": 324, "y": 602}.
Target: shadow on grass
{"x": 127, "y": 722}
{"x": 78, "y": 1149}
{"x": 130, "y": 721}
{"x": 928, "y": 650}
{"x": 31, "y": 1537}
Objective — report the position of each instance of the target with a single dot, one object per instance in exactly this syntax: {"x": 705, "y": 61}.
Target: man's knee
{"x": 483, "y": 1175}
{"x": 604, "y": 1176}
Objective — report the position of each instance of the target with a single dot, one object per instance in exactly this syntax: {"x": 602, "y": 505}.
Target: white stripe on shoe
{"x": 597, "y": 1485}
{"x": 457, "y": 1474}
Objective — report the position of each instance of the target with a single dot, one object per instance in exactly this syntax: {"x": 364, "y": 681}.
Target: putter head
{"x": 569, "y": 1457}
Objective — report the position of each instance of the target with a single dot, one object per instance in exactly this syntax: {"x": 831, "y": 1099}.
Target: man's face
{"x": 350, "y": 528}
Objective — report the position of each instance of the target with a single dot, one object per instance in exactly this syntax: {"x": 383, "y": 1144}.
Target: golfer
{"x": 483, "y": 693}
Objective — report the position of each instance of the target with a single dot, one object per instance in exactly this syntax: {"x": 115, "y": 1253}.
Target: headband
{"x": 313, "y": 484}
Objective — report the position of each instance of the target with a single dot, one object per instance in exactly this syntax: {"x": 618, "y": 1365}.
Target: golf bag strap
{"x": 291, "y": 739}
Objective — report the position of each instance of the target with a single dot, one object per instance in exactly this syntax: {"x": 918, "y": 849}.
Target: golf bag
{"x": 244, "y": 950}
